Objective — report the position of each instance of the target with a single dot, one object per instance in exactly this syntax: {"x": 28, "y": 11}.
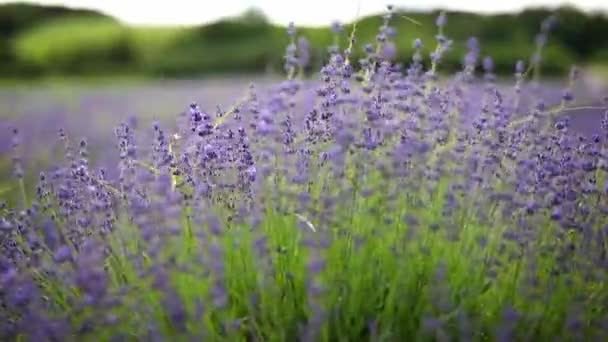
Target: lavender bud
{"x": 567, "y": 95}
{"x": 520, "y": 67}
{"x": 62, "y": 254}
{"x": 488, "y": 64}
{"x": 291, "y": 29}
{"x": 442, "y": 20}
{"x": 336, "y": 27}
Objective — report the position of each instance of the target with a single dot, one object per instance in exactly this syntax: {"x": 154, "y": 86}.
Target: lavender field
{"x": 91, "y": 110}
{"x": 369, "y": 201}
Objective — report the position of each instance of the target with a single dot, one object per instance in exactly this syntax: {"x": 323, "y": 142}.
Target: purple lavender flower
{"x": 337, "y": 28}
{"x": 291, "y": 29}
{"x": 271, "y": 219}
{"x": 520, "y": 67}
{"x": 567, "y": 95}
{"x": 442, "y": 20}
{"x": 63, "y": 254}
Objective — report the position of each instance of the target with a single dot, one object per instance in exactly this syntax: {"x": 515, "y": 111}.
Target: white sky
{"x": 302, "y": 12}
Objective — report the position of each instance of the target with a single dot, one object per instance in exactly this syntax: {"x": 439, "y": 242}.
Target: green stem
{"x": 23, "y": 193}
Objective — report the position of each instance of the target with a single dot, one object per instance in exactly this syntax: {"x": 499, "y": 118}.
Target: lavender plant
{"x": 379, "y": 202}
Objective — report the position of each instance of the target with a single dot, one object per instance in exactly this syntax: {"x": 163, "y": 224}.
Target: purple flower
{"x": 488, "y": 64}
{"x": 336, "y": 27}
{"x": 251, "y": 173}
{"x": 556, "y": 214}
{"x": 303, "y": 47}
{"x": 567, "y": 95}
{"x": 62, "y": 254}
{"x": 201, "y": 230}
{"x": 541, "y": 40}
{"x": 442, "y": 20}
{"x": 520, "y": 67}
{"x": 176, "y": 311}
{"x": 291, "y": 29}
{"x": 316, "y": 267}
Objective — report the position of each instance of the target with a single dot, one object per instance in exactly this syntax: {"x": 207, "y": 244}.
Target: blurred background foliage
{"x": 42, "y": 40}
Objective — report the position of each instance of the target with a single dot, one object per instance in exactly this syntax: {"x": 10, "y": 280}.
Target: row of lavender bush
{"x": 394, "y": 205}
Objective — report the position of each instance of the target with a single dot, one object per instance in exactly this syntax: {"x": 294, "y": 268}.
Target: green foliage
{"x": 75, "y": 45}
{"x": 46, "y": 40}
{"x": 600, "y": 57}
{"x": 151, "y": 45}
{"x": 222, "y": 47}
{"x": 19, "y": 16}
